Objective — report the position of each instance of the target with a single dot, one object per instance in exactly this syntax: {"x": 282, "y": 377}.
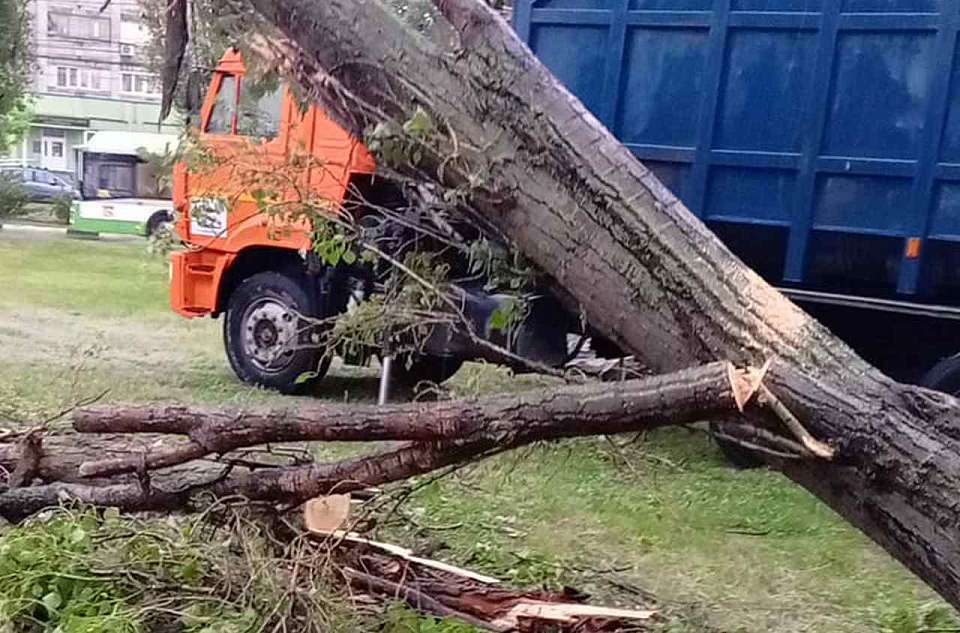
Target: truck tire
{"x": 261, "y": 317}
{"x": 424, "y": 368}
{"x": 944, "y": 376}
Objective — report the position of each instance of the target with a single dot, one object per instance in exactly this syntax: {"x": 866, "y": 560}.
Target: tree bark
{"x": 538, "y": 169}
{"x": 61, "y": 454}
{"x": 716, "y": 389}
{"x": 121, "y": 447}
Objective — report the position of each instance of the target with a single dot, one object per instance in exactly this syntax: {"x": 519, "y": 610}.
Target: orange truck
{"x": 236, "y": 263}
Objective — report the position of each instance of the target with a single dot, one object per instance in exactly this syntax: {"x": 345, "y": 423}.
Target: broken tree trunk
{"x": 440, "y": 434}
{"x": 545, "y": 174}
{"x": 716, "y": 389}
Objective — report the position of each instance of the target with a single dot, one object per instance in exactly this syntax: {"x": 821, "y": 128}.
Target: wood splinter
{"x": 812, "y": 444}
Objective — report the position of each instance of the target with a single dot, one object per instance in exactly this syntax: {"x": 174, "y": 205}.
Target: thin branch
{"x": 588, "y": 409}
{"x": 813, "y": 445}
{"x": 479, "y": 340}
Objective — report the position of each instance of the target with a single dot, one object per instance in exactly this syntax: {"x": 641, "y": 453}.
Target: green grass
{"x": 739, "y": 550}
{"x": 108, "y": 279}
{"x": 88, "y": 572}
{"x": 722, "y": 549}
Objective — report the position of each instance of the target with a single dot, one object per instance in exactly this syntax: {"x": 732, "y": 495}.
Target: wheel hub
{"x": 269, "y": 334}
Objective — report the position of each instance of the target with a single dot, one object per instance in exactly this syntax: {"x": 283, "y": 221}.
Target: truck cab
{"x": 257, "y": 270}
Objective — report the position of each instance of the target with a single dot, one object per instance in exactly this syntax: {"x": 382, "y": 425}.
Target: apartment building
{"x": 89, "y": 76}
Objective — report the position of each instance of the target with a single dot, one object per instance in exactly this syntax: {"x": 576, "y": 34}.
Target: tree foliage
{"x": 14, "y": 71}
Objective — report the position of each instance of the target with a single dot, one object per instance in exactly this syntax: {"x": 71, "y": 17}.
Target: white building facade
{"x": 89, "y": 75}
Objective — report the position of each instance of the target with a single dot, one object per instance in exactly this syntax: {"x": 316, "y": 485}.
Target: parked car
{"x": 41, "y": 185}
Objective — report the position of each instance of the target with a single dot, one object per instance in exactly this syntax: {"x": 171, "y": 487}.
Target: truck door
{"x": 243, "y": 132}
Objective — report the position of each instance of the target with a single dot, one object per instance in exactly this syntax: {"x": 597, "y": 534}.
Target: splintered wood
{"x": 389, "y": 572}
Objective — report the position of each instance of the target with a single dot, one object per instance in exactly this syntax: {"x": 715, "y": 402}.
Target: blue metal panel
{"x": 767, "y": 75}
{"x": 822, "y": 117}
{"x": 946, "y": 212}
{"x": 660, "y": 98}
{"x": 752, "y": 194}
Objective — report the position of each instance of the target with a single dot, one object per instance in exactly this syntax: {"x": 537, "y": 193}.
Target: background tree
{"x": 14, "y": 71}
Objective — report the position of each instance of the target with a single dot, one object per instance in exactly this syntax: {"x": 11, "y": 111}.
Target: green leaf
{"x": 501, "y": 318}
{"x": 349, "y": 257}
{"x": 190, "y": 571}
{"x": 52, "y": 602}
{"x": 419, "y": 124}
{"x": 77, "y": 536}
{"x": 305, "y": 376}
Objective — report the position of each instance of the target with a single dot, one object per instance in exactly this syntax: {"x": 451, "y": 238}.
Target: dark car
{"x": 41, "y": 185}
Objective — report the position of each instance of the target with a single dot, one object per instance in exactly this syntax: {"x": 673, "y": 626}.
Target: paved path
{"x": 40, "y": 231}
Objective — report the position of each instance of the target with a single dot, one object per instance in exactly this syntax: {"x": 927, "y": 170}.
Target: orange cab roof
{"x": 232, "y": 62}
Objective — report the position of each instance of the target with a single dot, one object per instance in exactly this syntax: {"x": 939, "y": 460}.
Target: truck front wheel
{"x": 267, "y": 341}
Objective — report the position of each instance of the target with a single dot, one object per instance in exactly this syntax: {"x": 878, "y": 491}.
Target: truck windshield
{"x": 259, "y": 111}
{"x": 224, "y": 108}
{"x": 255, "y": 115}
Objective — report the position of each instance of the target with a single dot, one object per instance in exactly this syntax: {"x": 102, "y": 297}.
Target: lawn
{"x": 721, "y": 549}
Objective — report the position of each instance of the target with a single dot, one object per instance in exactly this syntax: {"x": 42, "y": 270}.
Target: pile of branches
{"x": 169, "y": 458}
{"x": 179, "y": 458}
{"x": 384, "y": 572}
{"x": 140, "y": 458}
{"x": 241, "y": 566}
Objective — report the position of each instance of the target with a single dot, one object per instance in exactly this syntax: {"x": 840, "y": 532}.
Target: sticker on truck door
{"x": 208, "y": 216}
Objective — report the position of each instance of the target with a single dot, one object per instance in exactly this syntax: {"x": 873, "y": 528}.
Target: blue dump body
{"x": 820, "y": 139}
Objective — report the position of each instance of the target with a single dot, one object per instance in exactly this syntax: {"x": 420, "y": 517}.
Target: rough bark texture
{"x": 440, "y": 434}
{"x": 595, "y": 409}
{"x": 642, "y": 268}
{"x": 61, "y": 454}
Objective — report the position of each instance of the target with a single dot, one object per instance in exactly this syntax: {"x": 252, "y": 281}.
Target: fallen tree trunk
{"x": 543, "y": 173}
{"x": 716, "y": 390}
{"x": 441, "y": 434}
{"x": 61, "y": 454}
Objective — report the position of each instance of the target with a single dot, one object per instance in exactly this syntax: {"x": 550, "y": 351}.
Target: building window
{"x": 56, "y": 149}
{"x": 136, "y": 83}
{"x": 132, "y": 30}
{"x": 90, "y": 79}
{"x": 58, "y": 25}
{"x": 78, "y": 26}
{"x": 38, "y": 147}
{"x": 68, "y": 77}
